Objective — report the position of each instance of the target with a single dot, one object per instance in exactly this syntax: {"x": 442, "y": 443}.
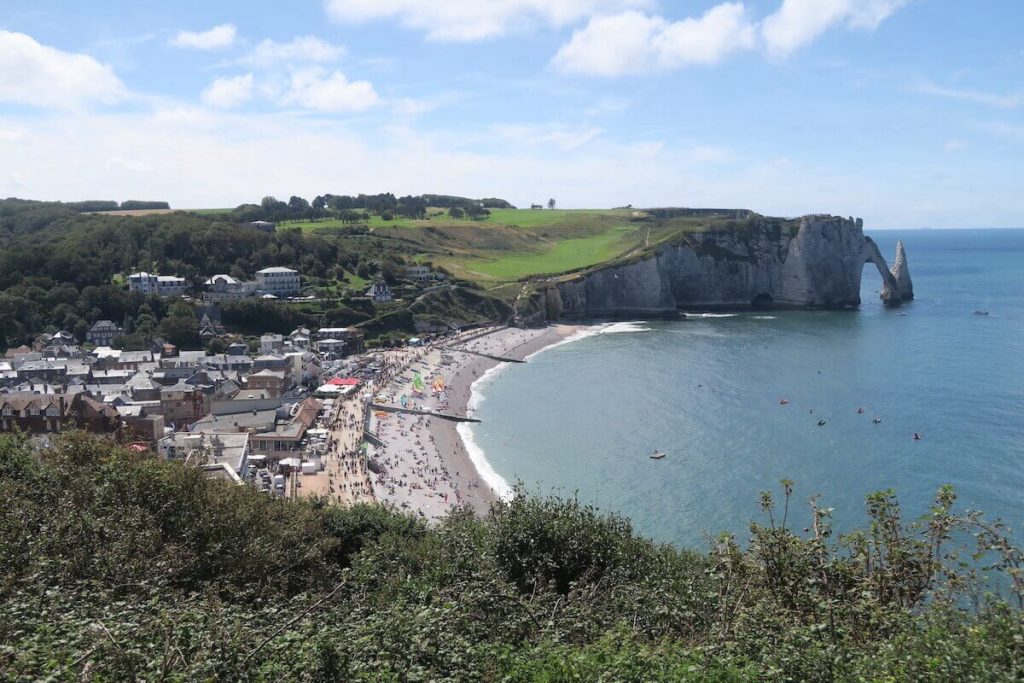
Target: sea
{"x": 581, "y": 418}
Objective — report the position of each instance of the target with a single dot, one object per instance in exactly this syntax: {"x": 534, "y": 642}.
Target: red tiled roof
{"x": 344, "y": 381}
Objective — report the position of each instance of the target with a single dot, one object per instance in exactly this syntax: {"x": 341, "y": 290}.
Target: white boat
{"x": 657, "y": 455}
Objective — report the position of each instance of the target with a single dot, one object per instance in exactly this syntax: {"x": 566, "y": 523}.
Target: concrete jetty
{"x": 500, "y": 359}
{"x": 417, "y": 411}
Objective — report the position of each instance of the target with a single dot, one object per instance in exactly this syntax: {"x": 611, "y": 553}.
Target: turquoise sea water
{"x": 583, "y": 417}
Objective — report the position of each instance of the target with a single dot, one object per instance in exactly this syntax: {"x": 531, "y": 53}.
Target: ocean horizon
{"x": 582, "y": 416}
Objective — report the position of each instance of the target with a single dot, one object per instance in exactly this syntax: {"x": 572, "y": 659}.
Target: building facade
{"x": 160, "y": 285}
{"x": 223, "y": 287}
{"x": 104, "y": 333}
{"x": 279, "y": 281}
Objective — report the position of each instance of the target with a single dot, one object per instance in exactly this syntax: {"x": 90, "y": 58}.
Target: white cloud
{"x": 300, "y": 49}
{"x": 559, "y": 137}
{"x": 42, "y": 76}
{"x": 214, "y": 39}
{"x": 225, "y": 93}
{"x": 1007, "y": 101}
{"x": 955, "y": 145}
{"x": 632, "y": 42}
{"x": 316, "y": 89}
{"x": 799, "y": 22}
{"x": 458, "y": 20}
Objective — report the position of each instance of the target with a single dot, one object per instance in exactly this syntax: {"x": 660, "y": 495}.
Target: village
{"x": 290, "y": 416}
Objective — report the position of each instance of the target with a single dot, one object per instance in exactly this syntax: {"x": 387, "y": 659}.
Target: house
{"x": 265, "y": 226}
{"x": 223, "y": 287}
{"x": 271, "y": 343}
{"x": 237, "y": 349}
{"x": 379, "y": 292}
{"x": 536, "y": 207}
{"x": 418, "y": 272}
{"x": 183, "y": 403}
{"x": 160, "y": 285}
{"x": 103, "y": 333}
{"x": 353, "y": 337}
{"x": 209, "y": 328}
{"x": 273, "y": 382}
{"x": 299, "y": 338}
{"x": 278, "y": 281}
{"x": 37, "y": 413}
{"x": 331, "y": 347}
{"x": 31, "y": 412}
{"x": 140, "y": 423}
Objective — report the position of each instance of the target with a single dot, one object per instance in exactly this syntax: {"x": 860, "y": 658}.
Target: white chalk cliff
{"x": 812, "y": 262}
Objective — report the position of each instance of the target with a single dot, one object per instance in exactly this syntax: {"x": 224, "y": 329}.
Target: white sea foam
{"x": 711, "y": 315}
{"x": 593, "y": 331}
{"x": 617, "y": 328}
{"x": 476, "y": 397}
{"x": 483, "y": 467}
{"x": 763, "y": 317}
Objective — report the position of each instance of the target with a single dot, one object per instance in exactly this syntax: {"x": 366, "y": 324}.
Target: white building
{"x": 379, "y": 292}
{"x": 278, "y": 281}
{"x": 160, "y": 285}
{"x": 223, "y": 287}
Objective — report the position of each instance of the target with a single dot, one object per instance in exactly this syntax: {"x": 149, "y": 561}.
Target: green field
{"x": 532, "y": 218}
{"x": 558, "y": 257}
{"x": 512, "y": 244}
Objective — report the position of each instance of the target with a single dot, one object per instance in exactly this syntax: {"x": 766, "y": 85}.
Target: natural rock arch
{"x": 896, "y": 284}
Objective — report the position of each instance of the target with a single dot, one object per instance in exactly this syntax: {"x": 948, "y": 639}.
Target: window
{"x": 7, "y": 411}
{"x": 33, "y": 409}
{"x": 53, "y": 411}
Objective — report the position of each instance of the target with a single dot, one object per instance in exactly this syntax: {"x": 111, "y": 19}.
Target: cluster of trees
{"x": 105, "y": 205}
{"x": 471, "y": 211}
{"x": 348, "y": 208}
{"x": 150, "y": 569}
{"x": 59, "y": 268}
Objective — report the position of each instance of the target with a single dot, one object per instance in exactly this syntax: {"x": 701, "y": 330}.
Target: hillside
{"x": 119, "y": 567}
{"x": 63, "y": 266}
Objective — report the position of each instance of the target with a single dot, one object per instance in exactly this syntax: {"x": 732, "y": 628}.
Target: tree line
{"x": 359, "y": 208}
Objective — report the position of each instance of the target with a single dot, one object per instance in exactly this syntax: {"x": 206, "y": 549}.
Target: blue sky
{"x": 905, "y": 112}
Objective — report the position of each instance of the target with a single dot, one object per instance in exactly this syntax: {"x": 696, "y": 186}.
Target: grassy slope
{"x": 512, "y": 244}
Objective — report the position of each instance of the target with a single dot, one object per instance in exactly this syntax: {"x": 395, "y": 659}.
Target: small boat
{"x": 821, "y": 423}
{"x": 657, "y": 455}
{"x": 877, "y": 420}
{"x": 980, "y": 312}
{"x": 860, "y": 411}
{"x": 784, "y": 401}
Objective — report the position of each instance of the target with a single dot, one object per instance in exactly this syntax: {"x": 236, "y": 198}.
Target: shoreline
{"x": 457, "y": 437}
{"x": 428, "y": 464}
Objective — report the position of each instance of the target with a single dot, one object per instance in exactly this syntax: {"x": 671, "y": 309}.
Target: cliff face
{"x": 815, "y": 262}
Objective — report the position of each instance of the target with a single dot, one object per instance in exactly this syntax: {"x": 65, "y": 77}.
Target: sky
{"x": 907, "y": 113}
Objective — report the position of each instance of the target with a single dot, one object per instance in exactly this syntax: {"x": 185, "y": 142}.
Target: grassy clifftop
{"x": 118, "y": 567}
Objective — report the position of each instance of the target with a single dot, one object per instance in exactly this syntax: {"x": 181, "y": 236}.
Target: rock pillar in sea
{"x": 901, "y": 272}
